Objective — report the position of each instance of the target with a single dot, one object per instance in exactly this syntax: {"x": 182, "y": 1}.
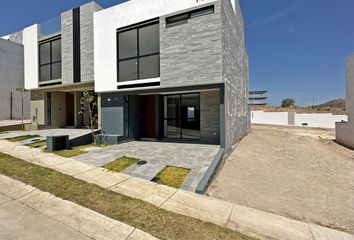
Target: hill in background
{"x": 336, "y": 103}
{"x": 336, "y": 106}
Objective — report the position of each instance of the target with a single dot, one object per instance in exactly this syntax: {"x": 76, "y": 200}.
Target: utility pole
{"x": 22, "y": 90}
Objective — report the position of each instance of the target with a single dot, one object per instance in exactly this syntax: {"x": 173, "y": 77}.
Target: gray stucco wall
{"x": 67, "y": 47}
{"x": 86, "y": 43}
{"x": 190, "y": 54}
{"x": 12, "y": 77}
{"x": 235, "y": 75}
{"x": 210, "y": 117}
{"x": 345, "y": 131}
{"x": 86, "y": 40}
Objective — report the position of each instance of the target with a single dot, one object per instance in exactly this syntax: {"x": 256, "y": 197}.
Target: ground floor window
{"x": 182, "y": 116}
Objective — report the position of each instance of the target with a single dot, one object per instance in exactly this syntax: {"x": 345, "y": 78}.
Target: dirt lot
{"x": 299, "y": 173}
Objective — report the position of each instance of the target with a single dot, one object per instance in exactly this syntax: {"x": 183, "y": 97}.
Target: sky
{"x": 297, "y": 48}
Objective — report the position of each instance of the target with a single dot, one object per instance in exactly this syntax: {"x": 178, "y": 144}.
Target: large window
{"x": 50, "y": 60}
{"x": 139, "y": 52}
{"x": 182, "y": 116}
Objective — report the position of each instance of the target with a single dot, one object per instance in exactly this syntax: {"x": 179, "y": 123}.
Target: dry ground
{"x": 295, "y": 172}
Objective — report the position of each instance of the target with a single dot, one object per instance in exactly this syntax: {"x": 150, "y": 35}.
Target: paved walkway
{"x": 246, "y": 220}
{"x": 158, "y": 155}
{"x": 28, "y": 213}
{"x": 73, "y": 133}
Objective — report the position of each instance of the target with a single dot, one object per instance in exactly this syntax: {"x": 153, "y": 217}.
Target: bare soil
{"x": 300, "y": 173}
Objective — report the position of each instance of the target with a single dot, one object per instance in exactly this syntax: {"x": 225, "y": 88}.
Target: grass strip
{"x": 21, "y": 138}
{"x": 171, "y": 176}
{"x": 37, "y": 144}
{"x": 74, "y": 151}
{"x": 160, "y": 223}
{"x": 120, "y": 164}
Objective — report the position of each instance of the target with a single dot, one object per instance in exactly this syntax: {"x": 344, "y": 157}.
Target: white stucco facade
{"x": 106, "y": 23}
{"x": 30, "y": 43}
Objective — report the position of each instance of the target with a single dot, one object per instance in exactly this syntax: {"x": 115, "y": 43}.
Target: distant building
{"x": 258, "y": 98}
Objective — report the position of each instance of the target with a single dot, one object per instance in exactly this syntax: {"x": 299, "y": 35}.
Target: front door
{"x": 147, "y": 104}
{"x": 70, "y": 111}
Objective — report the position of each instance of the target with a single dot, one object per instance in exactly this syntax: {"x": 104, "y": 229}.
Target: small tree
{"x": 88, "y": 105}
{"x": 288, "y": 102}
{"x": 22, "y": 91}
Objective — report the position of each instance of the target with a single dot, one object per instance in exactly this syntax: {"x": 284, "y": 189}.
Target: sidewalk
{"x": 246, "y": 220}
{"x": 27, "y": 211}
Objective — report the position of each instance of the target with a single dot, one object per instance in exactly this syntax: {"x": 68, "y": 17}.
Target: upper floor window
{"x": 139, "y": 52}
{"x": 50, "y": 60}
{"x": 184, "y": 17}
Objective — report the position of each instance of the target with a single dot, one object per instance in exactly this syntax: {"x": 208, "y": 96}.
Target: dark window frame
{"x": 51, "y": 62}
{"x": 179, "y": 119}
{"x": 138, "y": 56}
{"x": 183, "y": 18}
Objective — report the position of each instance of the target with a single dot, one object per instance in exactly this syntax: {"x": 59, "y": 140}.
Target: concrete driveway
{"x": 158, "y": 155}
{"x": 295, "y": 172}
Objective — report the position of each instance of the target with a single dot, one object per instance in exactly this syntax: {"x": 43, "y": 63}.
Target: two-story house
{"x": 161, "y": 70}
{"x": 174, "y": 70}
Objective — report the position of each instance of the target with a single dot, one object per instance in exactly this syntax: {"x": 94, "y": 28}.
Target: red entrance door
{"x": 148, "y": 116}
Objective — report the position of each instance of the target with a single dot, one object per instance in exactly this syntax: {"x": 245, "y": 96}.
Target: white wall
{"x": 107, "y": 21}
{"x": 323, "y": 120}
{"x": 319, "y": 120}
{"x": 274, "y": 118}
{"x": 30, "y": 43}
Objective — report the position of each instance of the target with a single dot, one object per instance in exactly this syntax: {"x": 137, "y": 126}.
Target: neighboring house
{"x": 345, "y": 130}
{"x": 173, "y": 70}
{"x": 11, "y": 78}
{"x": 58, "y": 63}
{"x": 258, "y": 98}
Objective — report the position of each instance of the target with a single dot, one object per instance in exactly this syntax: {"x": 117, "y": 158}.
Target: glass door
{"x": 182, "y": 116}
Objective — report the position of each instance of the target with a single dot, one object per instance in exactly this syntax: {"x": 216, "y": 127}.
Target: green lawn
{"x": 171, "y": 176}
{"x": 160, "y": 223}
{"x": 21, "y": 138}
{"x": 37, "y": 144}
{"x": 120, "y": 164}
{"x": 74, "y": 151}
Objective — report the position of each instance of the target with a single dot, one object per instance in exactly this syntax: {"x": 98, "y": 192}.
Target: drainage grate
{"x": 141, "y": 162}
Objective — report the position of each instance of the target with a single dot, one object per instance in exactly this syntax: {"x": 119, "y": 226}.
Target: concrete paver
{"x": 82, "y": 219}
{"x": 73, "y": 168}
{"x": 13, "y": 189}
{"x": 322, "y": 233}
{"x": 202, "y": 207}
{"x": 266, "y": 225}
{"x": 140, "y": 235}
{"x": 145, "y": 190}
{"x": 103, "y": 177}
